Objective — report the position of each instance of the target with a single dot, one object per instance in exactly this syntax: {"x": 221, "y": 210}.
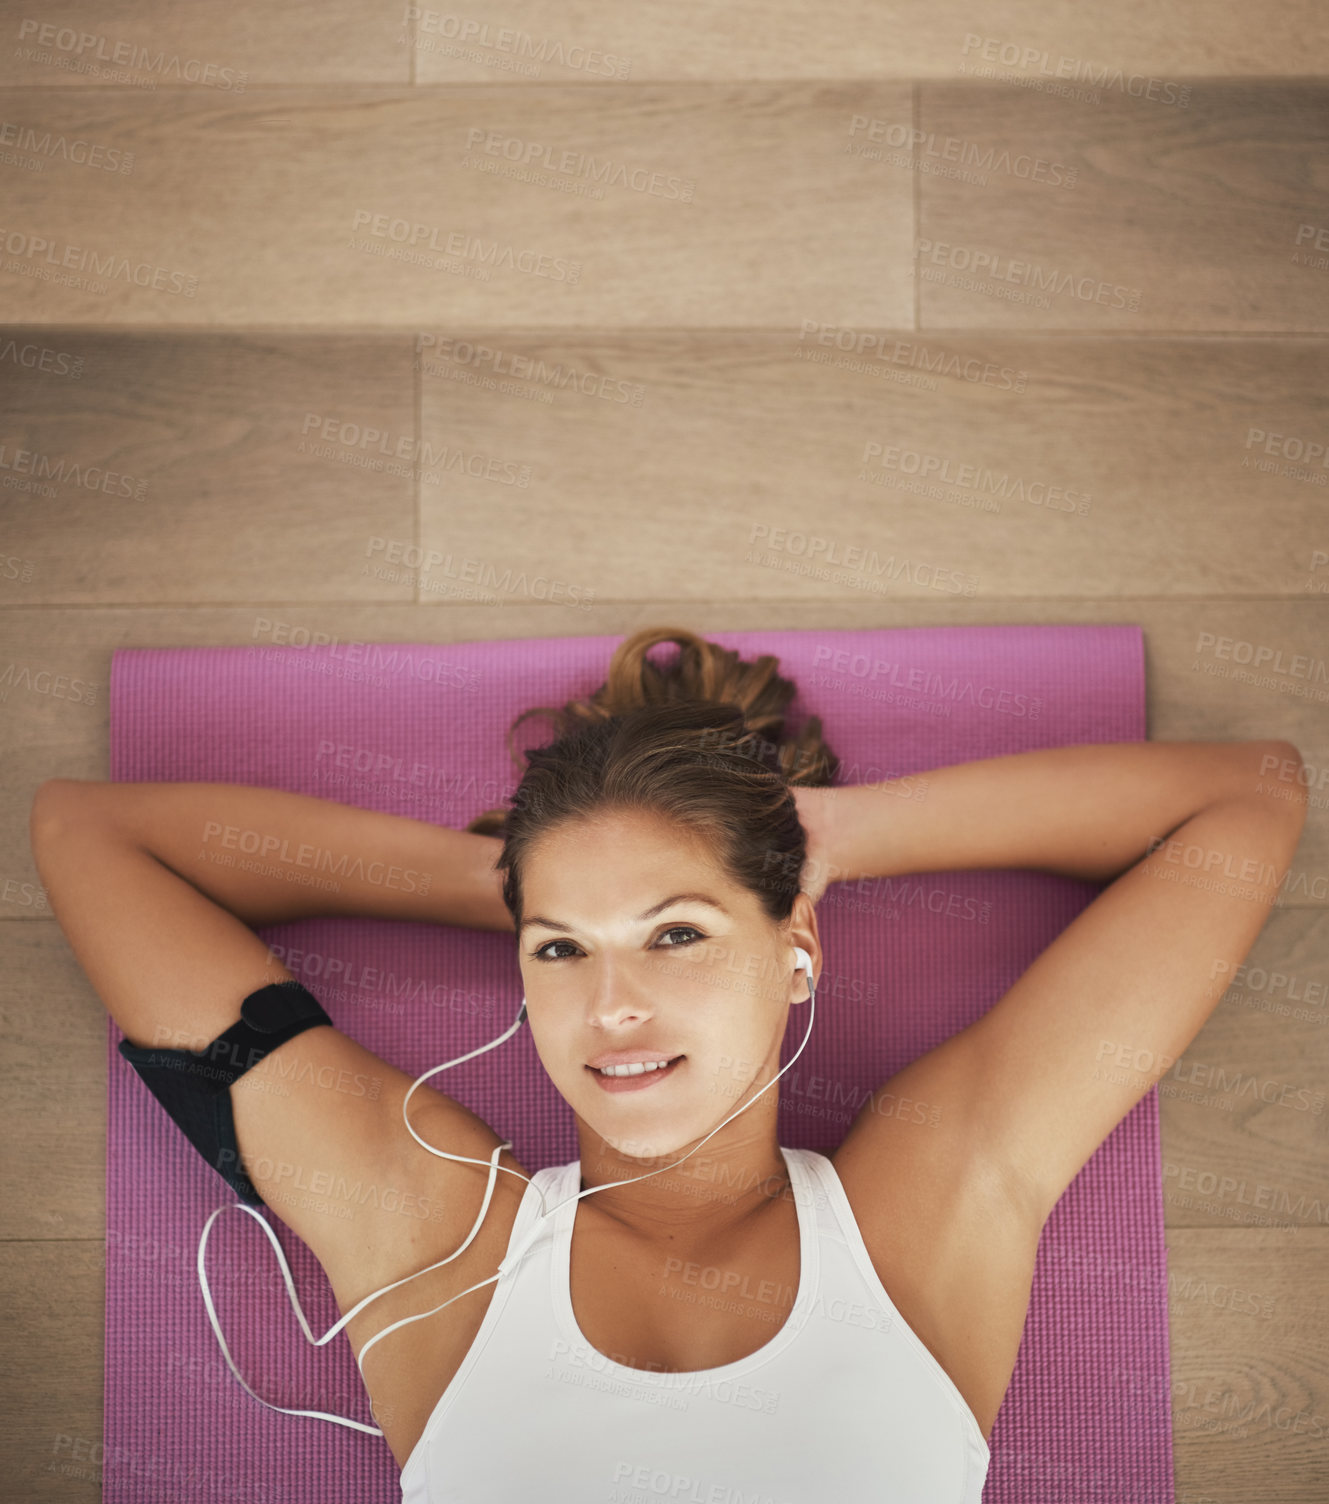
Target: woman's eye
{"x": 539, "y": 955}
{"x": 674, "y": 929}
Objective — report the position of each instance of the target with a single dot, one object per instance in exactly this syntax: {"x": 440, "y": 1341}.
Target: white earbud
{"x": 802, "y": 959}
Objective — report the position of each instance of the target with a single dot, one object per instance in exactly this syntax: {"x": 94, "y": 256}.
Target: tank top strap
{"x": 830, "y": 1209}
{"x": 535, "y": 1220}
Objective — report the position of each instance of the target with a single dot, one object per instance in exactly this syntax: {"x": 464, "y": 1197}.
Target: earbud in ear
{"x": 803, "y": 960}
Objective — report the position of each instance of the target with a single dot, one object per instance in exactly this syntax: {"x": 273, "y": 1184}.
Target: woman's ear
{"x": 803, "y": 935}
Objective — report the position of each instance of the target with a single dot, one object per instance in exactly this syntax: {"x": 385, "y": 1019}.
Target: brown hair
{"x": 699, "y": 741}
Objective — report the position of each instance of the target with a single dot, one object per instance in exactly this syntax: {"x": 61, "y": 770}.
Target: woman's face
{"x": 608, "y": 971}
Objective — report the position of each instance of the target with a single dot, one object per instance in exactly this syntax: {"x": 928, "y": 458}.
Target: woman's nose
{"x": 613, "y": 998}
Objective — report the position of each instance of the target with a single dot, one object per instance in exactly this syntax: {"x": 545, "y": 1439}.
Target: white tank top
{"x": 843, "y": 1403}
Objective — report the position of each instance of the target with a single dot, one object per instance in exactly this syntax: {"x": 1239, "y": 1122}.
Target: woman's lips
{"x": 635, "y": 1083}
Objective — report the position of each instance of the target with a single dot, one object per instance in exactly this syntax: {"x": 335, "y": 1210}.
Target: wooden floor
{"x": 656, "y": 305}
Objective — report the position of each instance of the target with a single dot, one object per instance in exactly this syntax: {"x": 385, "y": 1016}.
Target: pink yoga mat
{"x": 418, "y": 729}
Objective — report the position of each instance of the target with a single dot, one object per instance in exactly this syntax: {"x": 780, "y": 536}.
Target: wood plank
{"x": 842, "y": 463}
{"x": 1244, "y": 1110}
{"x": 519, "y": 40}
{"x": 190, "y": 469}
{"x": 52, "y": 1090}
{"x": 720, "y": 206}
{"x": 153, "y": 45}
{"x": 1250, "y": 1383}
{"x": 1139, "y": 47}
{"x": 53, "y": 1294}
{"x": 953, "y": 466}
{"x": 1123, "y": 217}
{"x": 984, "y": 464}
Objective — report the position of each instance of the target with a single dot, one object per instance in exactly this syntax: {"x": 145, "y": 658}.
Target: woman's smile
{"x": 636, "y": 1080}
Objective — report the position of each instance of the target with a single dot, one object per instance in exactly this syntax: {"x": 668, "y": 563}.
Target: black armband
{"x": 194, "y": 1085}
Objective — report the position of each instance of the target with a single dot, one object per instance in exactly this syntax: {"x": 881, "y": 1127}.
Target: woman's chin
{"x": 655, "y": 1140}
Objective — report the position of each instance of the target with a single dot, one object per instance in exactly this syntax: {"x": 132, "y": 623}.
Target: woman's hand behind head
{"x": 815, "y": 806}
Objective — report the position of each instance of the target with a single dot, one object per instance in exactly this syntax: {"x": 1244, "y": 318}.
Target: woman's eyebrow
{"x": 557, "y": 924}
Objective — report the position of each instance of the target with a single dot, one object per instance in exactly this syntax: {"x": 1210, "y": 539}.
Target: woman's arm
{"x": 173, "y": 964}
{"x": 1087, "y": 812}
{"x": 269, "y": 856}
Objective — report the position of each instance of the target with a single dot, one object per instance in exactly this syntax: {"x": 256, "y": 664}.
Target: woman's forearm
{"x": 269, "y": 856}
{"x": 1087, "y": 811}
